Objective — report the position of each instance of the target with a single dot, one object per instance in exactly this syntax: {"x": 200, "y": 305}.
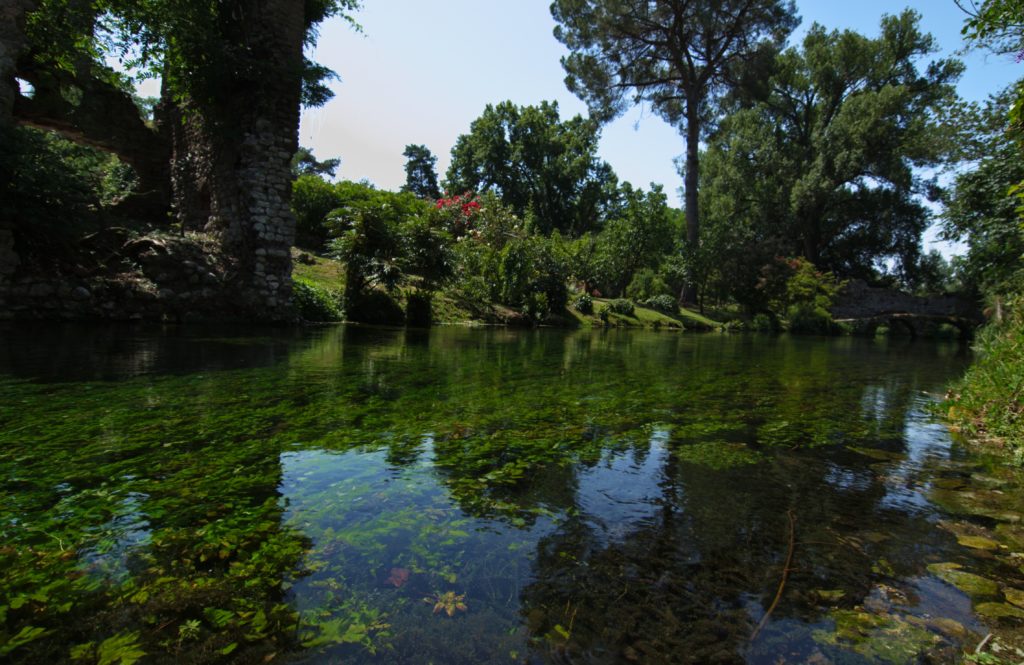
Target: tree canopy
{"x": 679, "y": 56}
{"x": 544, "y": 168}
{"x": 827, "y": 164}
{"x": 421, "y": 172}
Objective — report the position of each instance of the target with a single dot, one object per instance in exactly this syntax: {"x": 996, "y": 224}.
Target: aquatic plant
{"x": 447, "y": 602}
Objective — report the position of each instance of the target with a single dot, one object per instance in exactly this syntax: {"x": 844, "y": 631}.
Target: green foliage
{"x": 536, "y": 306}
{"x": 634, "y": 52}
{"x": 418, "y": 309}
{"x": 541, "y": 167}
{"x": 829, "y": 159}
{"x": 427, "y": 250}
{"x": 498, "y": 257}
{"x": 313, "y": 198}
{"x": 52, "y": 191}
{"x": 646, "y": 284}
{"x": 622, "y": 306}
{"x": 809, "y": 295}
{"x": 637, "y": 236}
{"x": 420, "y": 172}
{"x": 368, "y": 242}
{"x": 988, "y": 401}
{"x": 765, "y": 323}
{"x": 584, "y": 304}
{"x": 269, "y": 499}
{"x": 314, "y": 302}
{"x": 665, "y": 304}
{"x": 304, "y": 162}
{"x": 980, "y": 209}
{"x": 385, "y": 239}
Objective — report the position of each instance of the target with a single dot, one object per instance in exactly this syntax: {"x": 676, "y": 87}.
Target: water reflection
{"x": 601, "y": 497}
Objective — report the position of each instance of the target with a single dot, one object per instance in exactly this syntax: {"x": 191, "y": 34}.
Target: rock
{"x": 978, "y": 542}
{"x": 947, "y": 627}
{"x": 1014, "y": 596}
{"x": 41, "y": 290}
{"x": 981, "y": 503}
{"x": 829, "y": 595}
{"x": 81, "y": 293}
{"x": 973, "y": 585}
{"x": 998, "y": 611}
{"x": 1012, "y": 536}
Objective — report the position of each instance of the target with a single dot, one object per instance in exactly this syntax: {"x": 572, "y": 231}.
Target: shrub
{"x": 807, "y": 319}
{"x": 314, "y": 302}
{"x": 622, "y": 306}
{"x": 664, "y": 303}
{"x": 987, "y": 402}
{"x": 536, "y": 306}
{"x": 417, "y": 309}
{"x": 584, "y": 304}
{"x": 312, "y": 199}
{"x": 374, "y": 307}
{"x": 646, "y": 284}
{"x": 765, "y": 323}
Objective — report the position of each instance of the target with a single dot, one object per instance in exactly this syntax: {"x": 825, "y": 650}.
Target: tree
{"x": 304, "y": 162}
{"x": 980, "y": 209}
{"x": 420, "y": 172}
{"x": 827, "y": 166}
{"x": 233, "y": 76}
{"x": 547, "y": 170}
{"x": 636, "y": 238}
{"x": 680, "y": 56}
{"x": 998, "y": 25}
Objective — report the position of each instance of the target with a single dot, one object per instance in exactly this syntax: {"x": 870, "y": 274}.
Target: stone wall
{"x": 857, "y": 300}
{"x": 126, "y": 278}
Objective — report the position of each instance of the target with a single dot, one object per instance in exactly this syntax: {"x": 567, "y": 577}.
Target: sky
{"x": 421, "y": 72}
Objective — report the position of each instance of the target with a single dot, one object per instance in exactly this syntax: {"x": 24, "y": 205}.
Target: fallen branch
{"x": 785, "y": 576}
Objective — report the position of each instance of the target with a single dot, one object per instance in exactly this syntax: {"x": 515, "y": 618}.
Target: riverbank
{"x": 449, "y": 307}
{"x": 987, "y": 403}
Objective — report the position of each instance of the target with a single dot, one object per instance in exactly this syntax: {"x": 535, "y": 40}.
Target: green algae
{"x": 998, "y": 611}
{"x": 256, "y": 505}
{"x": 880, "y": 638}
{"x": 978, "y": 542}
{"x": 1014, "y": 596}
{"x": 973, "y": 585}
{"x": 718, "y": 455}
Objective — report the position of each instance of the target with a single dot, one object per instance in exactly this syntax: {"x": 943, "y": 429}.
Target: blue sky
{"x": 422, "y": 71}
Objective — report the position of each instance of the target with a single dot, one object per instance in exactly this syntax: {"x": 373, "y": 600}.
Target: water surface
{"x": 475, "y": 496}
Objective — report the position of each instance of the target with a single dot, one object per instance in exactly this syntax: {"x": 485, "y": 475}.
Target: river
{"x": 458, "y": 495}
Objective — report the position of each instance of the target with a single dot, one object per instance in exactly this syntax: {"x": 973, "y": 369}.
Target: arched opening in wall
{"x": 59, "y": 192}
{"x": 901, "y": 326}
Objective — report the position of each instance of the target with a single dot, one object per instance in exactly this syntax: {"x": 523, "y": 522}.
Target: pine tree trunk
{"x": 691, "y": 178}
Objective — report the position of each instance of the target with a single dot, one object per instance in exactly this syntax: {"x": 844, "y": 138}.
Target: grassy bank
{"x": 324, "y": 278}
{"x": 987, "y": 404}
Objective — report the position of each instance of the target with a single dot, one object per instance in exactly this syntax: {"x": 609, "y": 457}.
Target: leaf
{"x": 121, "y": 649}
{"x": 219, "y": 618}
{"x": 229, "y": 648}
{"x": 25, "y": 635}
{"x": 85, "y": 651}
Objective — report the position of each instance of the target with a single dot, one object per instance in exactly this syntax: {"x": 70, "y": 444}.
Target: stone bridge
{"x": 868, "y": 307}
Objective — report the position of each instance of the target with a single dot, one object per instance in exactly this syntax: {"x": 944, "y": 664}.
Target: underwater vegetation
{"x": 471, "y": 496}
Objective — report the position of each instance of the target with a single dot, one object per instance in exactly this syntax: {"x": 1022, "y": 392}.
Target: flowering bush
{"x": 459, "y": 211}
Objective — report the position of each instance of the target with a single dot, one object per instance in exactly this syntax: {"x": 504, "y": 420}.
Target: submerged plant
{"x": 448, "y": 602}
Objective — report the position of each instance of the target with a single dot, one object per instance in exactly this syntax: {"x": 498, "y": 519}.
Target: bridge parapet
{"x": 857, "y": 300}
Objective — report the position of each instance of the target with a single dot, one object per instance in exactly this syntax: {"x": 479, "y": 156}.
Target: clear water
{"x": 473, "y": 496}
